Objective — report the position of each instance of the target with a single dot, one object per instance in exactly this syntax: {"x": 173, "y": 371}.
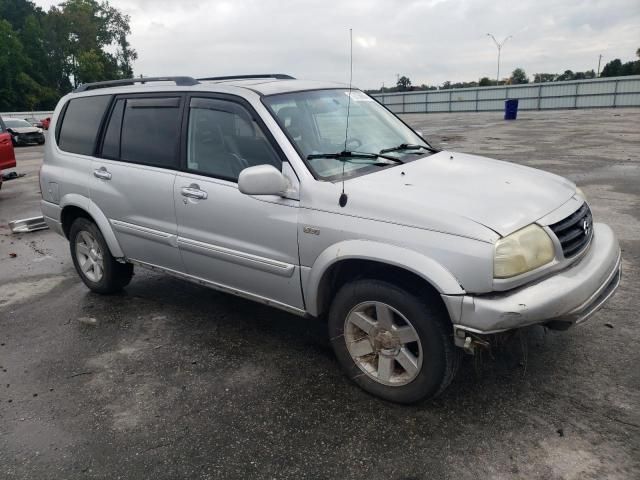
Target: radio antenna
{"x": 342, "y": 201}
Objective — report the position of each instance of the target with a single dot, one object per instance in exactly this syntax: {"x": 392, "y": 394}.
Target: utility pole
{"x": 599, "y": 59}
{"x": 499, "y": 45}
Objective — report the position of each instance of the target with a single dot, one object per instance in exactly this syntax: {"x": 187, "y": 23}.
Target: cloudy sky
{"x": 430, "y": 41}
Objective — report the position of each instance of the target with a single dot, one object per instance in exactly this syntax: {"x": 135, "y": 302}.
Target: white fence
{"x": 594, "y": 93}
{"x": 39, "y": 115}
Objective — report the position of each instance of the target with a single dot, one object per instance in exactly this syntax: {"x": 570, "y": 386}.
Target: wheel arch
{"x": 75, "y": 206}
{"x": 359, "y": 258}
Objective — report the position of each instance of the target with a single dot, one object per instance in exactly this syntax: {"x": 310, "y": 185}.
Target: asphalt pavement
{"x": 171, "y": 380}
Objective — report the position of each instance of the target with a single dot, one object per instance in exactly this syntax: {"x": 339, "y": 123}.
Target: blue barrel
{"x": 511, "y": 109}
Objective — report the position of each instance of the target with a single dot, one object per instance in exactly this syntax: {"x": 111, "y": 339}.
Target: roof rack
{"x": 179, "y": 81}
{"x": 277, "y": 76}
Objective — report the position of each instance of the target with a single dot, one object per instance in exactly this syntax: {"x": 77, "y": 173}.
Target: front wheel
{"x": 97, "y": 268}
{"x": 392, "y": 343}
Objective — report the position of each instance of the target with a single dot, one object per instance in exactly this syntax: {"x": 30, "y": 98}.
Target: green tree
{"x": 90, "y": 67}
{"x": 45, "y": 54}
{"x": 518, "y": 76}
{"x": 612, "y": 69}
{"x": 486, "y": 82}
{"x": 544, "y": 77}
{"x": 403, "y": 83}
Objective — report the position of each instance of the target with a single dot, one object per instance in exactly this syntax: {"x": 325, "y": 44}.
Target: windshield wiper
{"x": 346, "y": 155}
{"x": 404, "y": 146}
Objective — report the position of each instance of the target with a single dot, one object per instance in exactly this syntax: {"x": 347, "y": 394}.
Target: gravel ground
{"x": 171, "y": 380}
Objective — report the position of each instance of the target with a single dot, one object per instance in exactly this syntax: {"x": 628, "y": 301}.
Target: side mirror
{"x": 262, "y": 180}
{"x": 419, "y": 132}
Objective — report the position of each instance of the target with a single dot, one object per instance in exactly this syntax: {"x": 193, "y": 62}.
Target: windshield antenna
{"x": 342, "y": 201}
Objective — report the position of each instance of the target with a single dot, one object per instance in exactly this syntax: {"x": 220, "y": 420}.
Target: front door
{"x": 7, "y": 155}
{"x": 242, "y": 243}
{"x": 134, "y": 177}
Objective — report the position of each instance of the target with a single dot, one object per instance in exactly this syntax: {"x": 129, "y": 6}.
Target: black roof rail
{"x": 277, "y": 76}
{"x": 179, "y": 81}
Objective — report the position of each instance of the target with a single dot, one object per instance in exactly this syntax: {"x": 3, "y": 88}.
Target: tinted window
{"x": 111, "y": 142}
{"x": 151, "y": 131}
{"x": 81, "y": 123}
{"x": 223, "y": 140}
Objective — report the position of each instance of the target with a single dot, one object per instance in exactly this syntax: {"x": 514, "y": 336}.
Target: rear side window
{"x": 81, "y": 123}
{"x": 144, "y": 130}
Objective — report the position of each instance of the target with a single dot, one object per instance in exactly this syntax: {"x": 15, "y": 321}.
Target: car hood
{"x": 445, "y": 190}
{"x": 24, "y": 130}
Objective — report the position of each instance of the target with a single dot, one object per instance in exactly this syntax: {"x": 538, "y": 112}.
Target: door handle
{"x": 102, "y": 173}
{"x": 193, "y": 191}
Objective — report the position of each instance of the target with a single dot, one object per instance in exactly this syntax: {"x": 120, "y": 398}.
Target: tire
{"x": 97, "y": 268}
{"x": 420, "y": 338}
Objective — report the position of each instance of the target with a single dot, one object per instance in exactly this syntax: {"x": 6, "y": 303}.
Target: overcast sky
{"x": 429, "y": 41}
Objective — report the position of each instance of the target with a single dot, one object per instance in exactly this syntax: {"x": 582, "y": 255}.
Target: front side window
{"x": 316, "y": 122}
{"x": 144, "y": 130}
{"x": 80, "y": 124}
{"x": 224, "y": 139}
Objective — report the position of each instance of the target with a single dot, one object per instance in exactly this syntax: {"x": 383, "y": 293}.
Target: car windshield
{"x": 16, "y": 123}
{"x": 316, "y": 122}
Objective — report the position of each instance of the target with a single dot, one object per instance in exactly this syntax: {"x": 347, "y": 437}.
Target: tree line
{"x": 45, "y": 54}
{"x": 614, "y": 68}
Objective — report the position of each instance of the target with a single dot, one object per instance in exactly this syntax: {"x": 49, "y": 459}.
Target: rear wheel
{"x": 97, "y": 268}
{"x": 392, "y": 343}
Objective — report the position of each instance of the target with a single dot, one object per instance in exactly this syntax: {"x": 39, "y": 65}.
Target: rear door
{"x": 248, "y": 244}
{"x": 135, "y": 174}
{"x": 7, "y": 155}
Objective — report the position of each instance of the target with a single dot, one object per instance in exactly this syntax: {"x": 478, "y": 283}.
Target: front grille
{"x": 575, "y": 231}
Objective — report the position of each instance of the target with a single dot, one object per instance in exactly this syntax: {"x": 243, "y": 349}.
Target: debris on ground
{"x": 26, "y": 225}
{"x": 12, "y": 176}
{"x": 88, "y": 321}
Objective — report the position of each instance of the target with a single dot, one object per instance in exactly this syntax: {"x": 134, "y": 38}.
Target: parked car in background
{"x": 23, "y": 133}
{"x": 261, "y": 187}
{"x": 34, "y": 122}
{"x": 7, "y": 155}
{"x": 46, "y": 122}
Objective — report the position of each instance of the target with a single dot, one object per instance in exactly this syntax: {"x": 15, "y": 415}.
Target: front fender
{"x": 86, "y": 204}
{"x": 433, "y": 272}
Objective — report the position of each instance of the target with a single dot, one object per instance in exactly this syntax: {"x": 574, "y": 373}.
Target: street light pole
{"x": 499, "y": 45}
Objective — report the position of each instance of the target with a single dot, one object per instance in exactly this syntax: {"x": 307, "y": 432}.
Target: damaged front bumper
{"x": 566, "y": 298}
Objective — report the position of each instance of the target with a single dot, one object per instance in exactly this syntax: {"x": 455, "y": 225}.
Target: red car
{"x": 45, "y": 123}
{"x": 7, "y": 155}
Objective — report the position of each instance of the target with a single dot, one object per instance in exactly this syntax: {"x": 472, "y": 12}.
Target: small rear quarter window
{"x": 80, "y": 124}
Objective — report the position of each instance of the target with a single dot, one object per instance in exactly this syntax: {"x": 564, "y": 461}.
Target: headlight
{"x": 580, "y": 193}
{"x": 522, "y": 251}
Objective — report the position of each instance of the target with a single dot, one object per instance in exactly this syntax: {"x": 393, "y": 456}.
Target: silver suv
{"x": 314, "y": 198}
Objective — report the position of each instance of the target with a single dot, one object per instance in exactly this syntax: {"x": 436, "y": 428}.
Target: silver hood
{"x": 447, "y": 191}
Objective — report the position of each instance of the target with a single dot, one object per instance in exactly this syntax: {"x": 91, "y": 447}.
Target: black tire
{"x": 115, "y": 275}
{"x": 430, "y": 321}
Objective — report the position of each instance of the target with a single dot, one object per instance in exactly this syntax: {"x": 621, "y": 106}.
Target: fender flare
{"x": 80, "y": 201}
{"x": 421, "y": 265}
